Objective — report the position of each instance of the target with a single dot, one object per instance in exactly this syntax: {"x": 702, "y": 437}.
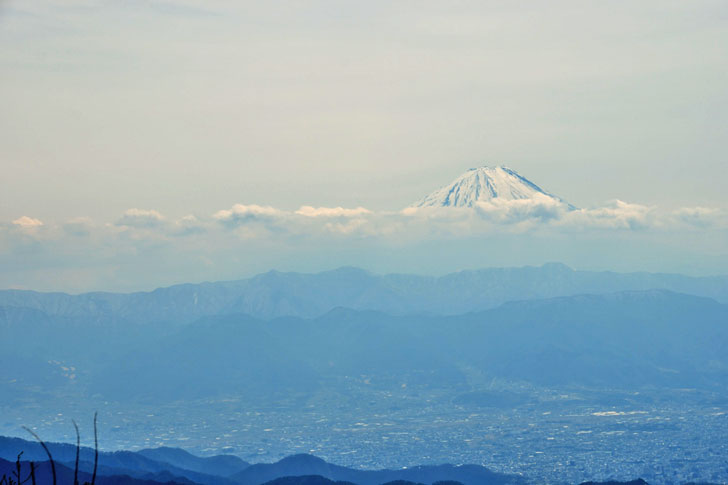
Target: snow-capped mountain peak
{"x": 485, "y": 184}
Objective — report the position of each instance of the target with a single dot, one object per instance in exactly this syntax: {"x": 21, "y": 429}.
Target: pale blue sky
{"x": 189, "y": 107}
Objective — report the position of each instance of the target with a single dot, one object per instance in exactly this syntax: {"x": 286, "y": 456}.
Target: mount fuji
{"x": 486, "y": 184}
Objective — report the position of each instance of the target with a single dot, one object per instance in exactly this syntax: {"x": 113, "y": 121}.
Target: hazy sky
{"x": 188, "y": 107}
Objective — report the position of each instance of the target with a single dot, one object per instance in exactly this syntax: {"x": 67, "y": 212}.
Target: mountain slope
{"x": 628, "y": 340}
{"x": 485, "y": 184}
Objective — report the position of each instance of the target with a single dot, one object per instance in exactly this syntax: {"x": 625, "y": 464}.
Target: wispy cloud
{"x": 26, "y": 222}
{"x": 141, "y": 218}
{"x": 241, "y": 214}
{"x": 309, "y": 211}
{"x": 539, "y": 208}
{"x": 616, "y": 214}
{"x": 189, "y": 225}
{"x": 79, "y": 226}
{"x": 701, "y": 217}
{"x": 542, "y": 213}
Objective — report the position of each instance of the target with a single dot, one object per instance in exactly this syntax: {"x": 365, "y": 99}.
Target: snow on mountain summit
{"x": 486, "y": 184}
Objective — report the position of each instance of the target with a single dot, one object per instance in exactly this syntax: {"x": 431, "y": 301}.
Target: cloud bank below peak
{"x": 144, "y": 247}
{"x": 538, "y": 213}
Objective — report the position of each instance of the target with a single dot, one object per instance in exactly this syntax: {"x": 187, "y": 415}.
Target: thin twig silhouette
{"x": 48, "y": 452}
{"x": 96, "y": 449}
{"x": 78, "y": 452}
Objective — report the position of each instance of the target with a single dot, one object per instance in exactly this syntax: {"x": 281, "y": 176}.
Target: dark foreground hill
{"x": 300, "y": 465}
{"x": 319, "y": 480}
{"x": 65, "y": 475}
{"x": 134, "y": 468}
{"x": 306, "y": 480}
{"x": 161, "y": 464}
{"x": 639, "y": 481}
{"x": 223, "y": 465}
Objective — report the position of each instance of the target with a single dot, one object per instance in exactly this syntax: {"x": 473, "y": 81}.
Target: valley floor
{"x": 566, "y": 436}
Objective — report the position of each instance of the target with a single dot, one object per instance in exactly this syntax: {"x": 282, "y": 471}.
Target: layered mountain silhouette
{"x": 65, "y": 475}
{"x": 298, "y": 465}
{"x": 168, "y": 464}
{"x": 136, "y": 468}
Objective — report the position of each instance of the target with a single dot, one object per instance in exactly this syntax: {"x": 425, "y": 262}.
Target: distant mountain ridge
{"x": 276, "y": 294}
